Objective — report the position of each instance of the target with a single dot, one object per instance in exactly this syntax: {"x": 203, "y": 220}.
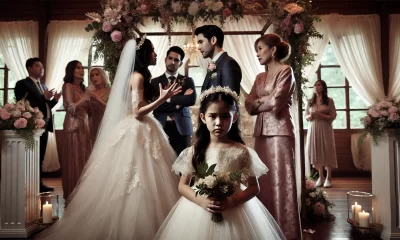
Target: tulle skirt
{"x": 250, "y": 220}
{"x": 126, "y": 191}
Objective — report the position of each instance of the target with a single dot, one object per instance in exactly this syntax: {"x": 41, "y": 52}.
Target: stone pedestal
{"x": 19, "y": 208}
{"x": 386, "y": 184}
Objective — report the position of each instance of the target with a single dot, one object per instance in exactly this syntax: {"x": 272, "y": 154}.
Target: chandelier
{"x": 191, "y": 50}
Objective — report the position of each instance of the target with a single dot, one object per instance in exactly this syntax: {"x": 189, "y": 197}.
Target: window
{"x": 7, "y": 83}
{"x": 59, "y": 115}
{"x": 349, "y": 106}
{"x": 197, "y": 74}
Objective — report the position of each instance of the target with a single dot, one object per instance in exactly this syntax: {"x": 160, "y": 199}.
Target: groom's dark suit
{"x": 175, "y": 115}
{"x": 26, "y": 87}
{"x": 226, "y": 74}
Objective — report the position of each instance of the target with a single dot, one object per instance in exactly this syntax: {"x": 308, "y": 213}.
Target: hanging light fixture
{"x": 191, "y": 50}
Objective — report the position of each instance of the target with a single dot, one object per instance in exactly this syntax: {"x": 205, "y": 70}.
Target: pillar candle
{"x": 364, "y": 219}
{"x": 47, "y": 213}
{"x": 355, "y": 209}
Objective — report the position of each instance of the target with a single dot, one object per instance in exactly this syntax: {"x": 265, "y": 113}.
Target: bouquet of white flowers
{"x": 216, "y": 184}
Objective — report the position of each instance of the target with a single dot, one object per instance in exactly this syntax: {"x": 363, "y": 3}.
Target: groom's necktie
{"x": 39, "y": 87}
{"x": 171, "y": 79}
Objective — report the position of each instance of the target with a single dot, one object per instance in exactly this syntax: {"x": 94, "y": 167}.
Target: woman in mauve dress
{"x": 320, "y": 146}
{"x": 270, "y": 99}
{"x": 78, "y": 141}
{"x": 100, "y": 87}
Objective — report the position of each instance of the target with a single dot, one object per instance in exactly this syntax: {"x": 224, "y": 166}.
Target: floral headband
{"x": 141, "y": 42}
{"x": 219, "y": 89}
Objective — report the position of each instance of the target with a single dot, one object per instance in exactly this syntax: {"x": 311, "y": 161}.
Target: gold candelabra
{"x": 191, "y": 50}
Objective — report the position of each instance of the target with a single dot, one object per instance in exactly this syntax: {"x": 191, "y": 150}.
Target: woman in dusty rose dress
{"x": 98, "y": 101}
{"x": 78, "y": 141}
{"x": 320, "y": 146}
{"x": 270, "y": 99}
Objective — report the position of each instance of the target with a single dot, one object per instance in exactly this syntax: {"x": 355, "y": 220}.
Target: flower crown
{"x": 219, "y": 89}
{"x": 141, "y": 42}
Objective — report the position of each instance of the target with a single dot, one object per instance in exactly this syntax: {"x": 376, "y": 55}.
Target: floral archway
{"x": 119, "y": 21}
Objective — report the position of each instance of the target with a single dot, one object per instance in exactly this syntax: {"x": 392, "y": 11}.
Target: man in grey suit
{"x": 174, "y": 114}
{"x": 224, "y": 70}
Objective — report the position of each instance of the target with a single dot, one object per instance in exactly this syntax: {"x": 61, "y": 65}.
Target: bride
{"x": 127, "y": 188}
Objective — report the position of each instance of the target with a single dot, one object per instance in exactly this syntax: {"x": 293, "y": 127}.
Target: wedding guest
{"x": 39, "y": 96}
{"x": 320, "y": 146}
{"x": 270, "y": 99}
{"x": 100, "y": 87}
{"x": 78, "y": 141}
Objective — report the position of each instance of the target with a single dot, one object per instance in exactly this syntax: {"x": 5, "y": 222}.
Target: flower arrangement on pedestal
{"x": 294, "y": 23}
{"x": 384, "y": 114}
{"x": 22, "y": 118}
{"x": 119, "y": 19}
{"x": 317, "y": 202}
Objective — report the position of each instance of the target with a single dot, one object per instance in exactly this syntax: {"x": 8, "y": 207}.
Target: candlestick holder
{"x": 360, "y": 212}
{"x": 49, "y": 208}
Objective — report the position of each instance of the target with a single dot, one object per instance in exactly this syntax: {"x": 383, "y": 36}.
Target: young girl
{"x": 219, "y": 142}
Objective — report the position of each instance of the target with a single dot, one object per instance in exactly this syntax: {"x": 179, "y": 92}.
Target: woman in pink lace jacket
{"x": 270, "y": 99}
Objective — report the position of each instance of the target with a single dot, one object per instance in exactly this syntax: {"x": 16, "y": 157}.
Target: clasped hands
{"x": 316, "y": 115}
{"x": 214, "y": 206}
{"x": 48, "y": 94}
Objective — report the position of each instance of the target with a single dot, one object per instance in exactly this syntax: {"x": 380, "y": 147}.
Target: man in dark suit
{"x": 224, "y": 70}
{"x": 174, "y": 114}
{"x": 38, "y": 96}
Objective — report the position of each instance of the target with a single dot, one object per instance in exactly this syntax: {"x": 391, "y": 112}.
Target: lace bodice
{"x": 235, "y": 158}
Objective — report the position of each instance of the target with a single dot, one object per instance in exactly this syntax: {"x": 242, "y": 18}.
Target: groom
{"x": 224, "y": 70}
{"x": 174, "y": 114}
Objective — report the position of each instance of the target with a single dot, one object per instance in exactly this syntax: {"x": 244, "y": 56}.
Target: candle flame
{"x": 47, "y": 202}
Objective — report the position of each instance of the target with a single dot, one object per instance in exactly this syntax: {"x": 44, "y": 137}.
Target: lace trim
{"x": 131, "y": 178}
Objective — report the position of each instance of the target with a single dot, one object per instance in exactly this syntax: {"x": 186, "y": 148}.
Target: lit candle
{"x": 355, "y": 209}
{"x": 364, "y": 219}
{"x": 47, "y": 213}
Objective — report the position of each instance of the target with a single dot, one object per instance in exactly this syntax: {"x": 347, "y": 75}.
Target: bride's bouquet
{"x": 218, "y": 185}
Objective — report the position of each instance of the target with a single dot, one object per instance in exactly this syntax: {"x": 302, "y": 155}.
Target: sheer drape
{"x": 357, "y": 45}
{"x": 19, "y": 41}
{"x": 394, "y": 56}
{"x": 67, "y": 41}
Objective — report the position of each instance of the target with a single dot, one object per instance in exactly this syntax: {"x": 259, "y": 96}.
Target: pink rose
{"x": 298, "y": 28}
{"x": 5, "y": 115}
{"x": 27, "y": 115}
{"x": 373, "y": 113}
{"x": 16, "y": 113}
{"x": 107, "y": 27}
{"x": 394, "y": 117}
{"x": 21, "y": 123}
{"x": 30, "y": 109}
{"x": 116, "y": 36}
{"x": 310, "y": 185}
{"x": 393, "y": 109}
{"x": 144, "y": 8}
{"x": 212, "y": 66}
{"x": 384, "y": 113}
{"x": 8, "y": 106}
{"x": 227, "y": 13}
{"x": 40, "y": 123}
{"x": 319, "y": 208}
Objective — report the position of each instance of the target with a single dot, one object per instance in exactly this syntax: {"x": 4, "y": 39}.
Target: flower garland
{"x": 119, "y": 20}
{"x": 294, "y": 23}
{"x": 384, "y": 114}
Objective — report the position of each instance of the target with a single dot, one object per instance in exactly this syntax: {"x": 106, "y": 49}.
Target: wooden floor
{"x": 335, "y": 230}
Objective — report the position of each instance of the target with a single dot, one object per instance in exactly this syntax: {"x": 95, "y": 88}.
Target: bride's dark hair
{"x": 203, "y": 134}
{"x": 142, "y": 59}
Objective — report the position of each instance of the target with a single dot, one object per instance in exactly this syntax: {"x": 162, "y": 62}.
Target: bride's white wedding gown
{"x": 128, "y": 189}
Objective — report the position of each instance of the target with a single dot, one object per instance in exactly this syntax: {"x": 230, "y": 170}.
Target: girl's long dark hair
{"x": 142, "y": 59}
{"x": 324, "y": 99}
{"x": 203, "y": 134}
{"x": 69, "y": 73}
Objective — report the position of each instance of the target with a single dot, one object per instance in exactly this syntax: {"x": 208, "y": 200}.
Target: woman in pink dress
{"x": 78, "y": 141}
{"x": 100, "y": 87}
{"x": 270, "y": 99}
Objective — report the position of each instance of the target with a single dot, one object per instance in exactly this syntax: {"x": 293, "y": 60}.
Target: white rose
{"x": 210, "y": 181}
{"x": 312, "y": 195}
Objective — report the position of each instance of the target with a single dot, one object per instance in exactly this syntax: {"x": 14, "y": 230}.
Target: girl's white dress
{"x": 127, "y": 191}
{"x": 250, "y": 220}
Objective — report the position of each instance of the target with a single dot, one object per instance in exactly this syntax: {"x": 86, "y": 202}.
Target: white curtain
{"x": 357, "y": 45}
{"x": 19, "y": 41}
{"x": 394, "y": 56}
{"x": 67, "y": 41}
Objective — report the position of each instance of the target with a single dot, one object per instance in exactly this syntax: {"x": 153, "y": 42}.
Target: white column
{"x": 386, "y": 184}
{"x": 19, "y": 208}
